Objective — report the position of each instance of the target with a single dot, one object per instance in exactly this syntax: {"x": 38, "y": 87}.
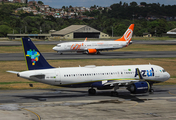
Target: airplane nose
{"x": 55, "y": 48}
{"x": 168, "y": 75}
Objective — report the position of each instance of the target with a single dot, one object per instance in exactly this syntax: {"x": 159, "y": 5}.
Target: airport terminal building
{"x": 79, "y": 31}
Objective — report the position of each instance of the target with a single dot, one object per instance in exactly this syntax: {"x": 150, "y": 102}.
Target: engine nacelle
{"x": 97, "y": 84}
{"x": 92, "y": 51}
{"x": 139, "y": 87}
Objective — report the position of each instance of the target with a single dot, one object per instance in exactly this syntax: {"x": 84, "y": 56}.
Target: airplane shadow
{"x": 123, "y": 95}
{"x": 101, "y": 54}
{"x": 59, "y": 94}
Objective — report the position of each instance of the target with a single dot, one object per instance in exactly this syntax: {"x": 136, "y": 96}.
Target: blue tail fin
{"x": 33, "y": 57}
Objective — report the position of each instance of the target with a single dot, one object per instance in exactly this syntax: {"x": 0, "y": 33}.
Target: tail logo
{"x": 128, "y": 35}
{"x": 34, "y": 55}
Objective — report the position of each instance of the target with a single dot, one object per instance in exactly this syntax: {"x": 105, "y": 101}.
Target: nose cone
{"x": 166, "y": 76}
{"x": 55, "y": 48}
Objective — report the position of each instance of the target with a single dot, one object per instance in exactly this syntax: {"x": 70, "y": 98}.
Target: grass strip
{"x": 6, "y": 83}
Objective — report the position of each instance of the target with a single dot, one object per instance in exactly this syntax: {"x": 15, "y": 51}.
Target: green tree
{"x": 63, "y": 7}
{"x": 133, "y": 4}
{"x": 143, "y": 3}
{"x": 40, "y": 3}
{"x": 4, "y": 30}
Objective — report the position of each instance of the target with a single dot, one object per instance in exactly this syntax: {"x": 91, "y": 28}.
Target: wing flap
{"x": 120, "y": 82}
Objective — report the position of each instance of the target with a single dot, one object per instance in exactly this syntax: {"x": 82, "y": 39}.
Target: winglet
{"x": 85, "y": 39}
{"x": 127, "y": 35}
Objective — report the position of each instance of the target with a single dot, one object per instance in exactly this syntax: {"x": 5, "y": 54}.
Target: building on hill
{"x": 19, "y": 1}
{"x": 79, "y": 31}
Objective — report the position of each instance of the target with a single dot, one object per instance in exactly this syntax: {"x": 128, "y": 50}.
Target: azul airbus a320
{"x": 136, "y": 78}
{"x": 94, "y": 47}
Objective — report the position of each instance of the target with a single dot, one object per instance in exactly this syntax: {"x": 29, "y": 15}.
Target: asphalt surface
{"x": 152, "y": 42}
{"x": 103, "y": 55}
{"x": 76, "y": 104}
{"x": 78, "y": 94}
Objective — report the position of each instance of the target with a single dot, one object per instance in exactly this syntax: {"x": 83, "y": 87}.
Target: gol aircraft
{"x": 94, "y": 47}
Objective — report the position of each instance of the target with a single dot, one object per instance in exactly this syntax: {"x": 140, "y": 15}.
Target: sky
{"x": 103, "y": 3}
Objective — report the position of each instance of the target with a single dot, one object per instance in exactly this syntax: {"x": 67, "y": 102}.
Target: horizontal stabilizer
{"x": 15, "y": 72}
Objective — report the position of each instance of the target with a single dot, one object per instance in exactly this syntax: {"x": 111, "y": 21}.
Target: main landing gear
{"x": 115, "y": 93}
{"x": 151, "y": 91}
{"x": 92, "y": 91}
{"x": 98, "y": 53}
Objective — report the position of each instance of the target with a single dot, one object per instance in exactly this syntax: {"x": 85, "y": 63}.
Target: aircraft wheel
{"x": 114, "y": 93}
{"x": 151, "y": 91}
{"x": 60, "y": 53}
{"x": 98, "y": 53}
{"x": 92, "y": 91}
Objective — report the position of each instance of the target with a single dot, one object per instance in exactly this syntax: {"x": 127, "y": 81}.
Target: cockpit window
{"x": 163, "y": 70}
{"x": 58, "y": 45}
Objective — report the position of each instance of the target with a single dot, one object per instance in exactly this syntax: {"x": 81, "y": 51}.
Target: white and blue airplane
{"x": 94, "y": 47}
{"x": 136, "y": 78}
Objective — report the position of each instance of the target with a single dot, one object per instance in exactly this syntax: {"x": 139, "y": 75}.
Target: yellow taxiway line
{"x": 33, "y": 113}
{"x": 171, "y": 93}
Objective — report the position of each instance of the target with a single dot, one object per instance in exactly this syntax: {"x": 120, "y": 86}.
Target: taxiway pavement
{"x": 54, "y": 43}
{"x": 76, "y": 104}
{"x": 103, "y": 55}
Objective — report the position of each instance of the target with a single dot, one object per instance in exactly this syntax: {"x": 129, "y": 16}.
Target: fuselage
{"x": 85, "y": 76}
{"x": 84, "y": 46}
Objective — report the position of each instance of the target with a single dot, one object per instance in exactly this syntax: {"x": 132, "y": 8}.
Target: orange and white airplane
{"x": 94, "y": 47}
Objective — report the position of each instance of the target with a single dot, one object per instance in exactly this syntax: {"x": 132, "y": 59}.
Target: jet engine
{"x": 139, "y": 87}
{"x": 92, "y": 51}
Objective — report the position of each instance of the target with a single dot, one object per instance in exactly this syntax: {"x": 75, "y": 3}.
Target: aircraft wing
{"x": 120, "y": 82}
{"x": 126, "y": 82}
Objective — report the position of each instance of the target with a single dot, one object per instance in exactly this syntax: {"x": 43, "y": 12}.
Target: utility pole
{"x": 112, "y": 31}
{"x": 40, "y": 30}
{"x": 133, "y": 18}
{"x": 25, "y": 29}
